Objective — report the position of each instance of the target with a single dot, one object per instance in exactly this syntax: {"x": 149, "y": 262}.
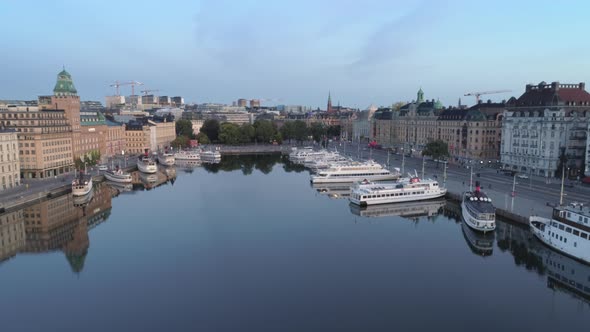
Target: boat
{"x": 408, "y": 210}
{"x": 567, "y": 231}
{"x": 354, "y": 172}
{"x": 477, "y": 210}
{"x": 83, "y": 200}
{"x": 187, "y": 155}
{"x": 82, "y": 184}
{"x": 299, "y": 155}
{"x": 405, "y": 190}
{"x": 118, "y": 175}
{"x": 145, "y": 164}
{"x": 165, "y": 158}
{"x": 211, "y": 156}
{"x": 481, "y": 244}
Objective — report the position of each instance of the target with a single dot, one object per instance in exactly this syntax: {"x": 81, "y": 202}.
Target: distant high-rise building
{"x": 164, "y": 100}
{"x": 114, "y": 101}
{"x": 177, "y": 101}
{"x": 254, "y": 103}
{"x": 242, "y": 102}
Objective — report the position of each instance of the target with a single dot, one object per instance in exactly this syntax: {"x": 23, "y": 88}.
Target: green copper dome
{"x": 64, "y": 85}
{"x": 438, "y": 105}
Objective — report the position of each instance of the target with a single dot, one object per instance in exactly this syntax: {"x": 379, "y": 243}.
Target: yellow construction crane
{"x": 477, "y": 94}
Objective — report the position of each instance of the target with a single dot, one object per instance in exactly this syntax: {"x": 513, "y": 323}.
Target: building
{"x": 587, "y": 169}
{"x": 163, "y": 132}
{"x": 254, "y": 103}
{"x": 361, "y": 124}
{"x": 137, "y": 136}
{"x": 177, "y": 101}
{"x": 164, "y": 100}
{"x": 93, "y": 134}
{"x": 329, "y": 108}
{"x": 9, "y": 159}
{"x": 149, "y": 100}
{"x": 546, "y": 129}
{"x": 116, "y": 142}
{"x": 44, "y": 139}
{"x": 152, "y": 134}
{"x": 91, "y": 106}
{"x": 114, "y": 101}
{"x": 242, "y": 102}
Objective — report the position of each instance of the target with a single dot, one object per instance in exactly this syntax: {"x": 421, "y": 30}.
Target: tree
{"x": 334, "y": 131}
{"x": 180, "y": 142}
{"x": 229, "y": 133}
{"x": 211, "y": 129}
{"x": 436, "y": 149}
{"x": 247, "y": 133}
{"x": 264, "y": 130}
{"x": 184, "y": 128}
{"x": 317, "y": 131}
{"x": 288, "y": 130}
{"x": 277, "y": 137}
{"x": 300, "y": 131}
{"x": 202, "y": 138}
{"x": 397, "y": 106}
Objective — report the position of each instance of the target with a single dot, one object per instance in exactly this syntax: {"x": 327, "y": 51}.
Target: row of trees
{"x": 262, "y": 131}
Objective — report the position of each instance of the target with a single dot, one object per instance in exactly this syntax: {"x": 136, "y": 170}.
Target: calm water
{"x": 249, "y": 245}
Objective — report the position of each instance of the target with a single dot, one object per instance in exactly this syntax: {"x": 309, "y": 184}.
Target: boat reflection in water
{"x": 333, "y": 190}
{"x": 408, "y": 210}
{"x": 121, "y": 187}
{"x": 481, "y": 244}
{"x": 83, "y": 200}
{"x": 188, "y": 165}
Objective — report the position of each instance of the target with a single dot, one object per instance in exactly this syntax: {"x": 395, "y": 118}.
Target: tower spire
{"x": 329, "y": 109}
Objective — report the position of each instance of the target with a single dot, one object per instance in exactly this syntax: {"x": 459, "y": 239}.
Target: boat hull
{"x": 146, "y": 168}
{"x": 123, "y": 178}
{"x": 83, "y": 189}
{"x": 353, "y": 179}
{"x": 474, "y": 223}
{"x": 578, "y": 252}
{"x": 398, "y": 199}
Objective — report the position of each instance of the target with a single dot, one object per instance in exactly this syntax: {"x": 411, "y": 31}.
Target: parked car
{"x": 522, "y": 176}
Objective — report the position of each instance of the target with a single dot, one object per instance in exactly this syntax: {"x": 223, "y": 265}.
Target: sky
{"x": 294, "y": 52}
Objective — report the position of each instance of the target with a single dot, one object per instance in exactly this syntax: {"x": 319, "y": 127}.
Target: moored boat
{"x": 211, "y": 156}
{"x": 354, "y": 172}
{"x": 145, "y": 164}
{"x": 478, "y": 211}
{"x": 82, "y": 184}
{"x": 406, "y": 190}
{"x": 118, "y": 175}
{"x": 187, "y": 155}
{"x": 165, "y": 158}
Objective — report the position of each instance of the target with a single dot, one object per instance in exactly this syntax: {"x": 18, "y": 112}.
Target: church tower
{"x": 65, "y": 97}
{"x": 420, "y": 97}
{"x": 329, "y": 109}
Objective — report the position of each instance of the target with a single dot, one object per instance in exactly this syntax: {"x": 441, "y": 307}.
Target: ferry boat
{"x": 481, "y": 244}
{"x": 118, "y": 175}
{"x": 405, "y": 190}
{"x": 478, "y": 211}
{"x": 83, "y": 200}
{"x": 187, "y": 155}
{"x": 211, "y": 156}
{"x": 408, "y": 210}
{"x": 166, "y": 159}
{"x": 82, "y": 184}
{"x": 298, "y": 155}
{"x": 354, "y": 172}
{"x": 567, "y": 231}
{"x": 145, "y": 164}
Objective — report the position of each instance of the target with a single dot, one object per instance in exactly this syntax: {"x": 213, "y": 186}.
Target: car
{"x": 102, "y": 167}
{"x": 522, "y": 176}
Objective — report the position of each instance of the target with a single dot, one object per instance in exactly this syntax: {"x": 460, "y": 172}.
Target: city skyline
{"x": 375, "y": 52}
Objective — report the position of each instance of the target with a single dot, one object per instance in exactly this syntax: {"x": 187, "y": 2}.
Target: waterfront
{"x": 248, "y": 244}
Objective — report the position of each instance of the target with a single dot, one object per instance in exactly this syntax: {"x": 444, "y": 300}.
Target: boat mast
{"x": 403, "y": 160}
{"x": 388, "y": 159}
{"x": 423, "y": 167}
{"x": 562, "y": 180}
{"x": 514, "y": 185}
{"x": 445, "y": 175}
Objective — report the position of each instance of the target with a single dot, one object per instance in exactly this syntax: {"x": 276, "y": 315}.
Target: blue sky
{"x": 294, "y": 52}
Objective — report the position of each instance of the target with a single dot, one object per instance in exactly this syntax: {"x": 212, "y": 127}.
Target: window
{"x": 561, "y": 227}
{"x": 568, "y": 229}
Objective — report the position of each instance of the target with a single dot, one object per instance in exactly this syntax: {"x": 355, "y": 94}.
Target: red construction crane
{"x": 117, "y": 84}
{"x": 477, "y": 94}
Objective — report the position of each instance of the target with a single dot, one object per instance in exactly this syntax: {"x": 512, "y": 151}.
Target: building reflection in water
{"x": 408, "y": 210}
{"x": 480, "y": 244}
{"x": 143, "y": 181}
{"x": 59, "y": 223}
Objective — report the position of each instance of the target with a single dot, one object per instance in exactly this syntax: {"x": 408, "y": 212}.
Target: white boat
{"x": 478, "y": 211}
{"x": 83, "y": 200}
{"x": 567, "y": 231}
{"x": 145, "y": 164}
{"x": 118, "y": 176}
{"x": 166, "y": 159}
{"x": 408, "y": 210}
{"x": 298, "y": 155}
{"x": 187, "y": 155}
{"x": 211, "y": 156}
{"x": 405, "y": 190}
{"x": 82, "y": 185}
{"x": 354, "y": 172}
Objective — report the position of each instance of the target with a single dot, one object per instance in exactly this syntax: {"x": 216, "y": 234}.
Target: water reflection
{"x": 263, "y": 163}
{"x": 333, "y": 190}
{"x": 143, "y": 181}
{"x": 480, "y": 244}
{"x": 60, "y": 223}
{"x": 408, "y": 210}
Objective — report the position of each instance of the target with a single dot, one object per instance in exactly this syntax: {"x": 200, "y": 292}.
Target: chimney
{"x": 477, "y": 186}
{"x": 555, "y": 86}
{"x": 582, "y": 86}
{"x": 528, "y": 88}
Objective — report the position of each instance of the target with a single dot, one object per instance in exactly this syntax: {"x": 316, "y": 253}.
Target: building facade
{"x": 545, "y": 130}
{"x": 116, "y": 142}
{"x": 137, "y": 136}
{"x": 9, "y": 159}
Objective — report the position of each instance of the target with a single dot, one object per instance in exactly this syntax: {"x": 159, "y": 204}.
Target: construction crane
{"x": 146, "y": 92}
{"x": 477, "y": 94}
{"x": 117, "y": 84}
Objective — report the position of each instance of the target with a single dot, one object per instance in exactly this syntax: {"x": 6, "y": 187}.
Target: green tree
{"x": 247, "y": 133}
{"x": 184, "y": 128}
{"x": 334, "y": 131}
{"x": 277, "y": 137}
{"x": 180, "y": 142}
{"x": 202, "y": 138}
{"x": 436, "y": 149}
{"x": 264, "y": 130}
{"x": 211, "y": 129}
{"x": 229, "y": 133}
{"x": 300, "y": 131}
{"x": 288, "y": 130}
{"x": 318, "y": 131}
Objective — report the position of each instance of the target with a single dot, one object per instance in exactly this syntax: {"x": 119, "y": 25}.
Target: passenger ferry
{"x": 354, "y": 172}
{"x": 187, "y": 155}
{"x": 299, "y": 155}
{"x": 145, "y": 164}
{"x": 211, "y": 156}
{"x": 406, "y": 190}
{"x": 166, "y": 159}
{"x": 82, "y": 184}
{"x": 118, "y": 175}
{"x": 408, "y": 210}
{"x": 478, "y": 211}
{"x": 568, "y": 230}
